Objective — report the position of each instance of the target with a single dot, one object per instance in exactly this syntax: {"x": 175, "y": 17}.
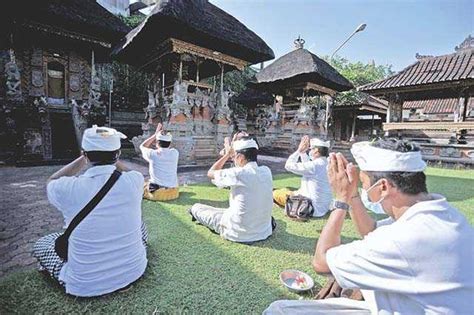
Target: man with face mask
{"x": 418, "y": 261}
{"x": 249, "y": 216}
{"x": 313, "y": 169}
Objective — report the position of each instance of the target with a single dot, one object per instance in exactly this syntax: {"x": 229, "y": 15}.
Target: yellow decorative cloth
{"x": 162, "y": 194}
{"x": 280, "y": 196}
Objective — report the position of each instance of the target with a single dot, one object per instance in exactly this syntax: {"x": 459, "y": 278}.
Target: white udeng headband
{"x": 373, "y": 159}
{"x": 164, "y": 137}
{"x": 239, "y": 145}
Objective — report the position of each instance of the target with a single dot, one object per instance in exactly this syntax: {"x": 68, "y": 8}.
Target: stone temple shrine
{"x": 188, "y": 46}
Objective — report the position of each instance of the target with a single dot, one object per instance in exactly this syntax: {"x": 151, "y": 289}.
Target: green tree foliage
{"x": 133, "y": 20}
{"x": 129, "y": 87}
{"x": 236, "y": 80}
{"x": 360, "y": 73}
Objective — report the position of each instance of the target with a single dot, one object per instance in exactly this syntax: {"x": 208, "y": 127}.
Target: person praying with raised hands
{"x": 249, "y": 215}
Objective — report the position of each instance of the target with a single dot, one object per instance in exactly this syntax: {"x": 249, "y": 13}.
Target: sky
{"x": 396, "y": 29}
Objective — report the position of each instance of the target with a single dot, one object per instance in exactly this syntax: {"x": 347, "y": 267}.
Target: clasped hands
{"x": 228, "y": 149}
{"x": 343, "y": 177}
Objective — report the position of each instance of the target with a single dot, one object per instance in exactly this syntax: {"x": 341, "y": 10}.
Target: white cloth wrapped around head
{"x": 101, "y": 139}
{"x": 243, "y": 144}
{"x": 164, "y": 137}
{"x": 315, "y": 142}
{"x": 373, "y": 159}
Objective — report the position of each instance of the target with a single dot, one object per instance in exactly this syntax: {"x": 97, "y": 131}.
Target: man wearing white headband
{"x": 249, "y": 216}
{"x": 163, "y": 166}
{"x": 107, "y": 250}
{"x": 314, "y": 180}
{"x": 417, "y": 261}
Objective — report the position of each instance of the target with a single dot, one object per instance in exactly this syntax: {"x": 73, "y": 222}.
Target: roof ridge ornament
{"x": 421, "y": 57}
{"x": 299, "y": 43}
{"x": 466, "y": 44}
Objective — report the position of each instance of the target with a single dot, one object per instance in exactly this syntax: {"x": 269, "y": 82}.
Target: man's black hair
{"x": 323, "y": 151}
{"x": 102, "y": 157}
{"x": 164, "y": 144}
{"x": 250, "y": 154}
{"x": 410, "y": 183}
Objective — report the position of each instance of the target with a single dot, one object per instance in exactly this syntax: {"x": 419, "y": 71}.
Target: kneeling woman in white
{"x": 249, "y": 216}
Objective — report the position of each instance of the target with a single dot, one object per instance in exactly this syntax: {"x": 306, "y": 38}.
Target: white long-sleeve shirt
{"x": 249, "y": 216}
{"x": 421, "y": 263}
{"x": 314, "y": 181}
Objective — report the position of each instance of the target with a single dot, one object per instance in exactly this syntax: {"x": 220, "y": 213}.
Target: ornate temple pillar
{"x": 223, "y": 116}
{"x": 13, "y": 79}
{"x": 47, "y": 148}
{"x": 328, "y": 115}
{"x": 353, "y": 130}
{"x": 394, "y": 110}
{"x": 303, "y": 123}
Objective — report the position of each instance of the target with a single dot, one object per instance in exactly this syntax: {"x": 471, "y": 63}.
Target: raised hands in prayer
{"x": 228, "y": 143}
{"x": 159, "y": 129}
{"x": 343, "y": 177}
{"x": 304, "y": 144}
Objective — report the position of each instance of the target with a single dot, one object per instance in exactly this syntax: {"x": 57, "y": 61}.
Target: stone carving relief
{"x": 450, "y": 152}
{"x": 37, "y": 58}
{"x": 304, "y": 115}
{"x": 33, "y": 142}
{"x": 13, "y": 79}
{"x": 223, "y": 110}
{"x": 37, "y": 78}
{"x": 75, "y": 82}
{"x": 428, "y": 151}
{"x": 180, "y": 104}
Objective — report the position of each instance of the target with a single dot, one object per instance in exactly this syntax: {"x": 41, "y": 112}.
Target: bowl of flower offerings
{"x": 296, "y": 281}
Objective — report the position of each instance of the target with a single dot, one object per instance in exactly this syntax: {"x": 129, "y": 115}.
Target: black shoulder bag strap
{"x": 62, "y": 242}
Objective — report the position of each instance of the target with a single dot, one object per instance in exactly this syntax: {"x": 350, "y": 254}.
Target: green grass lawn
{"x": 194, "y": 271}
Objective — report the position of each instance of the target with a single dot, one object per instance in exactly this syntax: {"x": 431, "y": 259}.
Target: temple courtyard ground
{"x": 190, "y": 269}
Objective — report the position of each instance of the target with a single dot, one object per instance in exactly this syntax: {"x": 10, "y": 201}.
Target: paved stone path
{"x": 26, "y": 215}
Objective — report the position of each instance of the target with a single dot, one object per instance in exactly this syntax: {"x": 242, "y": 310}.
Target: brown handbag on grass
{"x": 332, "y": 289}
{"x": 299, "y": 208}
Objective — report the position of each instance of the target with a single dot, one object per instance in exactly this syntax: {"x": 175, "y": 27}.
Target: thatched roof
{"x": 299, "y": 66}
{"x": 80, "y": 17}
{"x": 195, "y": 21}
{"x": 253, "y": 97}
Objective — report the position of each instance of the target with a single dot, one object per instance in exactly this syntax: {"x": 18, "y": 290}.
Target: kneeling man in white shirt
{"x": 417, "y": 261}
{"x": 249, "y": 216}
{"x": 107, "y": 249}
{"x": 163, "y": 167}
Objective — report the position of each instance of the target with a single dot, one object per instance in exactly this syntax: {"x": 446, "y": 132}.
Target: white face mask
{"x": 375, "y": 207}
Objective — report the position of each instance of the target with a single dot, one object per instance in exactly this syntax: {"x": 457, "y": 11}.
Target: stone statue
{"x": 303, "y": 115}
{"x": 42, "y": 106}
{"x": 224, "y": 111}
{"x": 321, "y": 120}
{"x": 180, "y": 103}
{"x": 13, "y": 80}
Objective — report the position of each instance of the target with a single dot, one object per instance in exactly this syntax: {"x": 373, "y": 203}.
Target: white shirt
{"x": 423, "y": 263}
{"x": 163, "y": 166}
{"x": 248, "y": 218}
{"x": 314, "y": 180}
{"x": 106, "y": 252}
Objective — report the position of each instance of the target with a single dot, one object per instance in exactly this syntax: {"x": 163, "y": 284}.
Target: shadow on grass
{"x": 188, "y": 272}
{"x": 453, "y": 188}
